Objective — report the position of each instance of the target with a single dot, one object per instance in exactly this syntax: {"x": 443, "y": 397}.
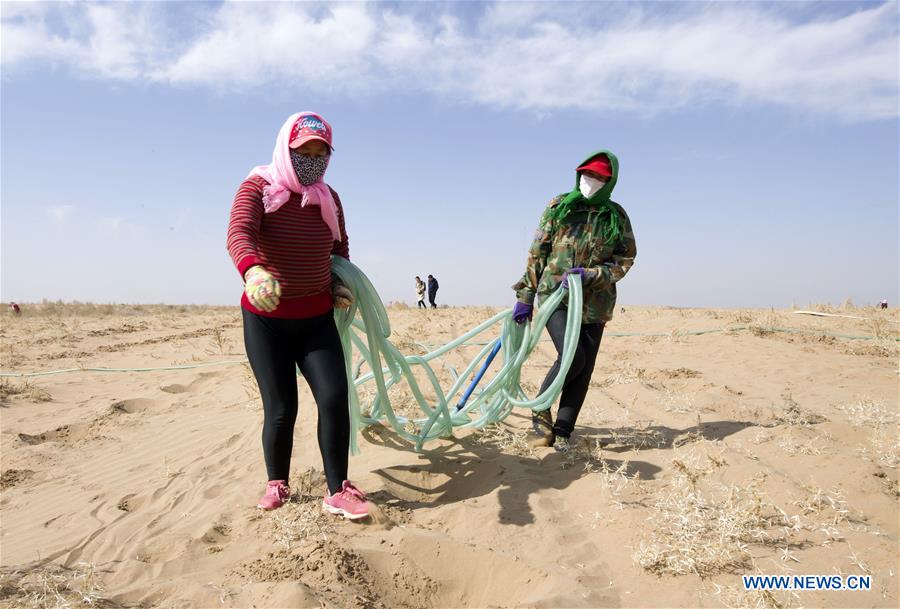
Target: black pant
{"x": 422, "y": 304}
{"x": 431, "y": 296}
{"x": 274, "y": 347}
{"x": 575, "y": 387}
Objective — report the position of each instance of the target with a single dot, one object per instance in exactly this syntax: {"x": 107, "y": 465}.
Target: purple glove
{"x": 586, "y": 275}
{"x": 521, "y": 312}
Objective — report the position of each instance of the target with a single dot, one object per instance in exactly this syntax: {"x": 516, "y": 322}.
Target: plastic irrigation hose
{"x": 365, "y": 328}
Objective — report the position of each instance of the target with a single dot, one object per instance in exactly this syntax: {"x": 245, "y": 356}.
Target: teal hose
{"x": 365, "y": 328}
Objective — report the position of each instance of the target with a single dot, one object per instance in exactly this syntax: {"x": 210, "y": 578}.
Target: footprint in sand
{"x": 69, "y": 434}
{"x": 60, "y": 434}
{"x": 130, "y": 502}
{"x": 176, "y": 388}
{"x": 217, "y": 534}
{"x": 12, "y": 477}
{"x": 133, "y": 406}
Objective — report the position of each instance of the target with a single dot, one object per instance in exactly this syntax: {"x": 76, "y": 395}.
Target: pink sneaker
{"x": 349, "y": 502}
{"x": 277, "y": 492}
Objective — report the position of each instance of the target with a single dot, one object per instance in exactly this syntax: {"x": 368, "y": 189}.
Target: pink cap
{"x": 310, "y": 126}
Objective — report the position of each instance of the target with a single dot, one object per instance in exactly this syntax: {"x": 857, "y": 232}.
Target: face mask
{"x": 309, "y": 169}
{"x": 589, "y": 186}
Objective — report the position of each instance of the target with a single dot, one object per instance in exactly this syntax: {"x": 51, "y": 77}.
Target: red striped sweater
{"x": 293, "y": 243}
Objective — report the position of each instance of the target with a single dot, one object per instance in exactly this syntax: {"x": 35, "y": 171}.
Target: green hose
{"x": 365, "y": 327}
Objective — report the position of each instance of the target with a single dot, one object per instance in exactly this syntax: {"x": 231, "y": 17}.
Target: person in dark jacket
{"x": 432, "y": 290}
{"x": 581, "y": 232}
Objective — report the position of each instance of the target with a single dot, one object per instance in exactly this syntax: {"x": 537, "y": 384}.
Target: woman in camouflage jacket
{"x": 583, "y": 232}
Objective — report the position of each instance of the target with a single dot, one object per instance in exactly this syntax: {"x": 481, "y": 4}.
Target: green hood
{"x": 600, "y": 200}
{"x": 606, "y": 192}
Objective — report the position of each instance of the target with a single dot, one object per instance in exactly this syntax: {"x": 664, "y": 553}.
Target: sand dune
{"x": 767, "y": 446}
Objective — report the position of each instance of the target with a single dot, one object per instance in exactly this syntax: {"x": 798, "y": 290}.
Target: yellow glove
{"x": 342, "y": 296}
{"x": 262, "y": 289}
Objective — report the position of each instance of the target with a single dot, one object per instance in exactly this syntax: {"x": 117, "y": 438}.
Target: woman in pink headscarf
{"x": 286, "y": 223}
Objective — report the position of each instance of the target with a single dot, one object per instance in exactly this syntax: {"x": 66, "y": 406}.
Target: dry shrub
{"x": 826, "y": 509}
{"x": 506, "y": 440}
{"x": 868, "y": 412}
{"x": 25, "y": 389}
{"x": 764, "y": 323}
{"x": 793, "y": 415}
{"x": 792, "y": 445}
{"x": 615, "y": 476}
{"x": 679, "y": 401}
{"x": 884, "y": 442}
{"x": 703, "y": 530}
{"x": 53, "y": 587}
{"x": 219, "y": 343}
{"x": 884, "y": 446}
{"x": 877, "y": 347}
{"x": 742, "y": 316}
{"x": 639, "y": 436}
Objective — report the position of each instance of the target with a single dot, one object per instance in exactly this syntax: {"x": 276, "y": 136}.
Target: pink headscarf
{"x": 283, "y": 181}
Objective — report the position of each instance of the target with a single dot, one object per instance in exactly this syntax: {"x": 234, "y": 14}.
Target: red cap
{"x": 599, "y": 165}
{"x": 310, "y": 126}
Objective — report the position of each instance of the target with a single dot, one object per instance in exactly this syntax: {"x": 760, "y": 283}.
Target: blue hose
{"x": 484, "y": 367}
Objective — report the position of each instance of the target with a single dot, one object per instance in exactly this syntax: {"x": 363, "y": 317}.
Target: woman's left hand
{"x": 342, "y": 297}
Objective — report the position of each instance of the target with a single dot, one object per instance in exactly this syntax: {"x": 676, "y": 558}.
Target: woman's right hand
{"x": 262, "y": 289}
{"x": 522, "y": 312}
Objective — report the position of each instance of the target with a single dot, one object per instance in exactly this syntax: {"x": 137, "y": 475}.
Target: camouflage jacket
{"x": 578, "y": 242}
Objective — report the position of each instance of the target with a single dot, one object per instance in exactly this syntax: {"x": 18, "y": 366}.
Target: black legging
{"x": 579, "y": 377}
{"x": 274, "y": 347}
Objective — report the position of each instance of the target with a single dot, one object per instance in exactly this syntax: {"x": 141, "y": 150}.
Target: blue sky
{"x": 758, "y": 142}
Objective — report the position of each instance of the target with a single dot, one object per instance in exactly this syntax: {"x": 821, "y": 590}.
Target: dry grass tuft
{"x": 679, "y": 400}
{"x": 615, "y": 476}
{"x": 703, "y": 528}
{"x": 507, "y": 441}
{"x": 219, "y": 343}
{"x": 639, "y": 436}
{"x": 884, "y": 442}
{"x": 884, "y": 446}
{"x": 868, "y": 412}
{"x": 53, "y": 587}
{"x": 793, "y": 415}
{"x": 302, "y": 516}
{"x": 25, "y": 389}
{"x": 793, "y": 445}
{"x": 764, "y": 323}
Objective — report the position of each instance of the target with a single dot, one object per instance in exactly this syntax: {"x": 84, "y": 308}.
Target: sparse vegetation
{"x": 53, "y": 587}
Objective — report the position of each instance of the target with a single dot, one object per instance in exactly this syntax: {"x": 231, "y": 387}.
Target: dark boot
{"x": 542, "y": 429}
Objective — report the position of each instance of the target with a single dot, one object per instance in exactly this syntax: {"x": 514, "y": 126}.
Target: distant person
{"x": 432, "y": 290}
{"x": 15, "y": 308}
{"x": 286, "y": 223}
{"x": 884, "y": 304}
{"x": 420, "y": 292}
{"x": 581, "y": 232}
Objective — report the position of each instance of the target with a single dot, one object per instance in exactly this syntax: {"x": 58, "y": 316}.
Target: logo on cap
{"x": 310, "y": 126}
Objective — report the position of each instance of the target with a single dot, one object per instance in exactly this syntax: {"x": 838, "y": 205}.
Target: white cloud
{"x": 539, "y": 57}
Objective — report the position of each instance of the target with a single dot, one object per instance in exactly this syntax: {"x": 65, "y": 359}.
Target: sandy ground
{"x": 700, "y": 457}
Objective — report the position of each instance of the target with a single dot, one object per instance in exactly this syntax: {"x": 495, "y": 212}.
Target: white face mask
{"x": 589, "y": 186}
